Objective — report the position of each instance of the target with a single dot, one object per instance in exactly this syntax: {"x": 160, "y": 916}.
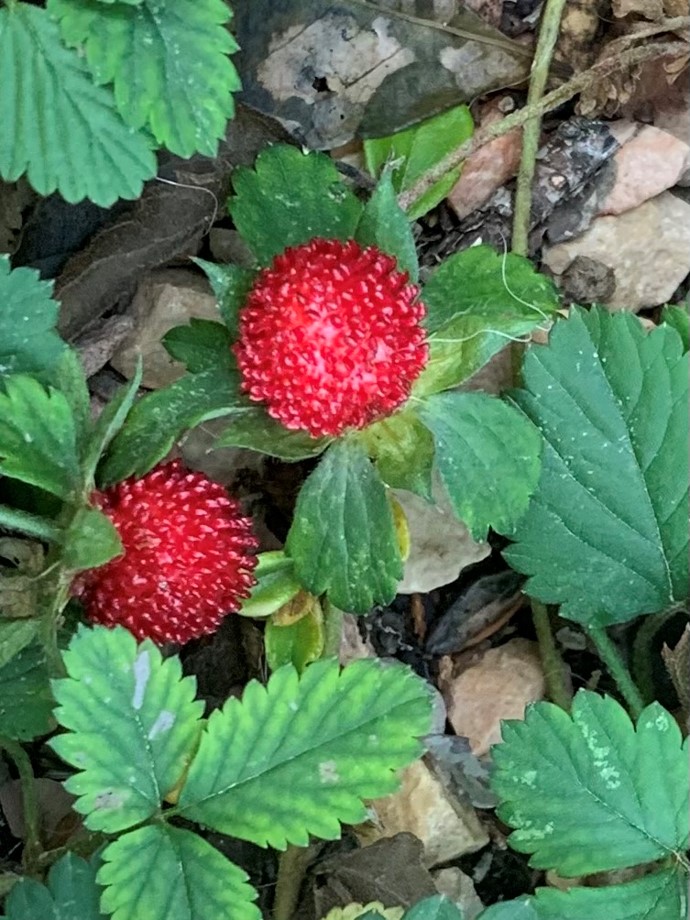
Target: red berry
{"x": 330, "y": 337}
{"x": 188, "y": 556}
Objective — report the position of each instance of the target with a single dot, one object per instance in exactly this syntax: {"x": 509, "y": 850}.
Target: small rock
{"x": 459, "y": 888}
{"x": 496, "y": 684}
{"x": 163, "y": 300}
{"x": 423, "y": 806}
{"x": 227, "y": 245}
{"x": 648, "y": 249}
{"x": 587, "y": 281}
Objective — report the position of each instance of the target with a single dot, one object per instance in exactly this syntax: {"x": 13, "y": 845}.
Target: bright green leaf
{"x": 403, "y": 449}
{"x": 201, "y": 345}
{"x": 296, "y": 757}
{"x": 298, "y": 642}
{"x": 418, "y": 149}
{"x": 679, "y": 319}
{"x": 25, "y": 700}
{"x": 606, "y": 531}
{"x": 69, "y": 136}
{"x": 132, "y": 722}
{"x": 660, "y": 896}
{"x": 160, "y": 418}
{"x": 37, "y": 437}
{"x": 477, "y": 301}
{"x": 14, "y": 635}
{"x": 71, "y": 893}
{"x": 109, "y": 423}
{"x": 91, "y": 540}
{"x": 231, "y": 285}
{"x": 385, "y": 225}
{"x": 253, "y": 427}
{"x": 289, "y": 198}
{"x": 29, "y": 343}
{"x": 168, "y": 61}
{"x": 342, "y": 537}
{"x": 584, "y": 791}
{"x": 167, "y": 873}
{"x": 275, "y": 585}
{"x": 438, "y": 907}
{"x": 488, "y": 456}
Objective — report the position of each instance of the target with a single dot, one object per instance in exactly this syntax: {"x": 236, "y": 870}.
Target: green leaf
{"x": 15, "y": 635}
{"x": 167, "y": 873}
{"x": 606, "y": 532}
{"x": 132, "y": 723}
{"x": 168, "y": 61}
{"x": 297, "y": 756}
{"x": 160, "y": 418}
{"x": 679, "y": 319}
{"x": 90, "y": 540}
{"x": 70, "y": 380}
{"x": 403, "y": 449}
{"x": 438, "y": 907}
{"x": 289, "y": 198}
{"x": 110, "y": 421}
{"x": 231, "y": 285}
{"x": 298, "y": 641}
{"x": 477, "y": 301}
{"x": 488, "y": 456}
{"x": 254, "y": 428}
{"x": 660, "y": 896}
{"x": 70, "y": 137}
{"x": 25, "y": 700}
{"x": 420, "y": 148}
{"x": 275, "y": 585}
{"x": 342, "y": 537}
{"x": 29, "y": 343}
{"x": 384, "y": 224}
{"x": 583, "y": 790}
{"x": 37, "y": 437}
{"x": 71, "y": 893}
{"x": 201, "y": 345}
{"x": 33, "y": 525}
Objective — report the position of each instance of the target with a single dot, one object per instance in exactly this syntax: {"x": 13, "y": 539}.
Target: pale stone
{"x": 493, "y": 685}
{"x": 459, "y": 888}
{"x": 423, "y": 806}
{"x": 648, "y": 249}
{"x": 163, "y": 300}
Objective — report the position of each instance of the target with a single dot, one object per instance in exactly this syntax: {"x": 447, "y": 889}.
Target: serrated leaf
{"x": 297, "y": 756}
{"x": 275, "y": 585}
{"x": 403, "y": 449}
{"x": 419, "y": 149}
{"x": 660, "y": 896}
{"x": 167, "y": 873}
{"x": 37, "y": 437}
{"x": 488, "y": 456}
{"x": 160, "y": 418}
{"x": 200, "y": 345}
{"x": 14, "y": 635}
{"x": 70, "y": 137}
{"x": 438, "y": 907}
{"x": 109, "y": 423}
{"x": 253, "y": 427}
{"x": 384, "y": 224}
{"x": 583, "y": 790}
{"x": 29, "y": 343}
{"x": 342, "y": 537}
{"x": 90, "y": 540}
{"x": 131, "y": 722}
{"x": 162, "y": 57}
{"x": 289, "y": 198}
{"x": 679, "y": 319}
{"x": 231, "y": 285}
{"x": 295, "y": 639}
{"x": 71, "y": 893}
{"x": 476, "y": 302}
{"x": 25, "y": 700}
{"x": 606, "y": 531}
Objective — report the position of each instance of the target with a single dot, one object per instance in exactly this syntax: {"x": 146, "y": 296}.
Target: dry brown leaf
{"x": 677, "y": 661}
{"x": 649, "y": 9}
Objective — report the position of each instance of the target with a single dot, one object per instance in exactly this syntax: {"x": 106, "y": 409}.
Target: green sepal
{"x": 70, "y": 380}
{"x": 403, "y": 450}
{"x": 200, "y": 345}
{"x": 109, "y": 423}
{"x": 342, "y": 538}
{"x": 253, "y": 427}
{"x": 384, "y": 224}
{"x": 289, "y": 198}
{"x": 276, "y": 584}
{"x": 298, "y": 638}
{"x": 91, "y": 540}
{"x": 231, "y": 284}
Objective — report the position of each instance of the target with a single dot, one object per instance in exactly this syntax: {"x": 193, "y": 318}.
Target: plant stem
{"x": 292, "y": 865}
{"x": 611, "y": 657}
{"x": 30, "y": 524}
{"x": 552, "y": 100}
{"x": 554, "y": 676}
{"x": 548, "y": 35}
{"x": 32, "y": 847}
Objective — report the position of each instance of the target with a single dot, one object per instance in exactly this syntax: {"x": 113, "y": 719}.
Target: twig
{"x": 548, "y": 35}
{"x": 611, "y": 656}
{"x": 33, "y": 846}
{"x": 552, "y": 100}
{"x": 554, "y": 677}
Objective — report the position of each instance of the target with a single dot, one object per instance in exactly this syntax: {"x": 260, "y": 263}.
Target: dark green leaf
{"x": 15, "y": 635}
{"x": 438, "y": 907}
{"x": 71, "y": 893}
{"x": 342, "y": 537}
{"x": 201, "y": 345}
{"x": 25, "y": 701}
{"x": 606, "y": 531}
{"x": 91, "y": 540}
{"x": 679, "y": 319}
{"x": 289, "y": 198}
{"x": 488, "y": 456}
{"x": 403, "y": 449}
{"x": 230, "y": 284}
{"x": 385, "y": 225}
{"x": 254, "y": 428}
{"x": 110, "y": 421}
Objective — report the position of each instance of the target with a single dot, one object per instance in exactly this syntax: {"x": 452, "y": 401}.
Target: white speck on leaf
{"x": 163, "y": 723}
{"x": 142, "y": 672}
{"x": 328, "y": 773}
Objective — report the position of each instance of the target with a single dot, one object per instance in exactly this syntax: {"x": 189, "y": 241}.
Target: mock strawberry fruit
{"x": 188, "y": 556}
{"x": 330, "y": 337}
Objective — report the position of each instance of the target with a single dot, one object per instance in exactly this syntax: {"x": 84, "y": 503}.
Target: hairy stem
{"x": 33, "y": 846}
{"x": 30, "y": 524}
{"x": 554, "y": 669}
{"x": 611, "y": 657}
